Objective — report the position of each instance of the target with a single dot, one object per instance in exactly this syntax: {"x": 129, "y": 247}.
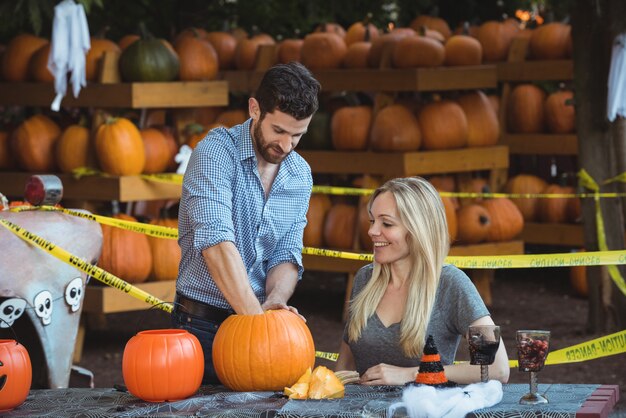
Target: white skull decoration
{"x": 74, "y": 293}
{"x": 43, "y": 306}
{"x": 10, "y": 310}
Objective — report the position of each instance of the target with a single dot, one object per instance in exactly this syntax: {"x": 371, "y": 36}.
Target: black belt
{"x": 200, "y": 309}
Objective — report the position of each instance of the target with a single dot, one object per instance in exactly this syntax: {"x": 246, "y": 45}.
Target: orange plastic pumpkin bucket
{"x": 163, "y": 365}
{"x": 16, "y": 374}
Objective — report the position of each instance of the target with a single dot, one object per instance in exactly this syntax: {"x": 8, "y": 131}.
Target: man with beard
{"x": 243, "y": 211}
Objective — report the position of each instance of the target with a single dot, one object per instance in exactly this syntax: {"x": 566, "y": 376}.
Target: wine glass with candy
{"x": 532, "y": 350}
{"x": 483, "y": 341}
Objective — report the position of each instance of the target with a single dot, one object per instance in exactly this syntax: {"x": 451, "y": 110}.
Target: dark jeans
{"x": 205, "y": 331}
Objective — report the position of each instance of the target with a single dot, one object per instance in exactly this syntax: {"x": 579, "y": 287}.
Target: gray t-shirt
{"x": 457, "y": 305}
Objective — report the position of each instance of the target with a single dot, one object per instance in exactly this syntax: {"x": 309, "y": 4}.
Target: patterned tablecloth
{"x": 216, "y": 401}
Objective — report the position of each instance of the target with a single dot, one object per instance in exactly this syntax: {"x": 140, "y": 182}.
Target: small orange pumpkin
{"x": 507, "y": 221}
{"x": 99, "y": 46}
{"x": 557, "y": 210}
{"x": 247, "y": 49}
{"x": 313, "y": 236}
{"x": 339, "y": 226}
{"x": 361, "y": 32}
{"x": 224, "y": 44}
{"x": 16, "y": 56}
{"x": 119, "y": 147}
{"x": 474, "y": 223}
{"x": 289, "y": 50}
{"x": 550, "y": 41}
{"x": 126, "y": 254}
{"x": 483, "y": 128}
{"x": 418, "y": 52}
{"x": 431, "y": 22}
{"x": 197, "y": 57}
{"x": 34, "y": 141}
{"x": 16, "y": 372}
{"x": 72, "y": 148}
{"x": 525, "y": 110}
{"x": 323, "y": 50}
{"x": 163, "y": 365}
{"x": 526, "y": 184}
{"x": 350, "y": 128}
{"x": 495, "y": 38}
{"x": 165, "y": 252}
{"x": 463, "y": 50}
{"x": 395, "y": 129}
{"x": 560, "y": 113}
{"x": 38, "y": 65}
{"x": 263, "y": 352}
{"x": 156, "y": 149}
{"x": 443, "y": 125}
{"x": 356, "y": 55}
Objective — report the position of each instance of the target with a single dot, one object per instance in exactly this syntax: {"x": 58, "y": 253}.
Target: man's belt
{"x": 200, "y": 309}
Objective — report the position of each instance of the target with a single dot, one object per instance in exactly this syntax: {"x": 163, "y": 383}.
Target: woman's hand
{"x": 384, "y": 374}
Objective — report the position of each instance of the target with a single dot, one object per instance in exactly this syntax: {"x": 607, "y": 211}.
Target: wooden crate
{"x": 101, "y": 299}
{"x": 121, "y": 95}
{"x": 541, "y": 144}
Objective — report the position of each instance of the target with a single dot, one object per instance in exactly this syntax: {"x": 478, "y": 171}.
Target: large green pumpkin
{"x": 149, "y": 59}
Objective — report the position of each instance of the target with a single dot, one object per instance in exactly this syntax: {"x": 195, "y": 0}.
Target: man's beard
{"x": 263, "y": 148}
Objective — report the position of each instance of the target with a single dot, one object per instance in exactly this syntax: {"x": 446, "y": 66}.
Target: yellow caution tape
{"x": 80, "y": 172}
{"x": 587, "y": 181}
{"x": 327, "y": 356}
{"x": 171, "y": 178}
{"x": 82, "y": 265}
{"x": 157, "y": 231}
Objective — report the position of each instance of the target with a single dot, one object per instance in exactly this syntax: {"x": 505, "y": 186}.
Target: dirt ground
{"x": 523, "y": 299}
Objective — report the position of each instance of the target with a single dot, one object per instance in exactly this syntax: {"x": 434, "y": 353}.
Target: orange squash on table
{"x": 443, "y": 125}
{"x": 350, "y": 128}
{"x": 156, "y": 149}
{"x": 165, "y": 252}
{"x": 99, "y": 47}
{"x": 473, "y": 224}
{"x": 126, "y": 254}
{"x": 550, "y": 41}
{"x": 323, "y": 50}
{"x": 339, "y": 226}
{"x": 507, "y": 221}
{"x": 262, "y": 352}
{"x": 16, "y": 368}
{"x": 119, "y": 147}
{"x": 418, "y": 52}
{"x": 313, "y": 236}
{"x": 33, "y": 143}
{"x": 525, "y": 109}
{"x": 16, "y": 56}
{"x": 163, "y": 365}
{"x": 289, "y": 50}
{"x": 526, "y": 184}
{"x": 560, "y": 113}
{"x": 224, "y": 44}
{"x": 361, "y": 32}
{"x": 72, "y": 148}
{"x": 431, "y": 22}
{"x": 38, "y": 65}
{"x": 395, "y": 129}
{"x": 483, "y": 128}
{"x": 462, "y": 50}
{"x": 248, "y": 48}
{"x": 495, "y": 38}
{"x": 558, "y": 209}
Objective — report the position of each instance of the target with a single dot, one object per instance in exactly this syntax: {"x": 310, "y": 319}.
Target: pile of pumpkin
{"x": 339, "y": 223}
{"x": 197, "y": 54}
{"x": 530, "y": 110}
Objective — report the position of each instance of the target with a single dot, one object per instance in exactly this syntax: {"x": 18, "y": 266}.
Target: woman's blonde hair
{"x": 422, "y": 213}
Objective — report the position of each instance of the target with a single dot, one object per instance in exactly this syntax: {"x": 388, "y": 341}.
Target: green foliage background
{"x": 279, "y": 18}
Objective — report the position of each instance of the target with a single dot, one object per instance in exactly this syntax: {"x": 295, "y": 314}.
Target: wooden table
{"x": 576, "y": 401}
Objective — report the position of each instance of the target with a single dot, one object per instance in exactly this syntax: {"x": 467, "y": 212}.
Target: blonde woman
{"x": 408, "y": 293}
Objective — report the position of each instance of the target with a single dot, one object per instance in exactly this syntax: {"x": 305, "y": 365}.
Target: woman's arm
{"x": 466, "y": 373}
{"x": 346, "y": 359}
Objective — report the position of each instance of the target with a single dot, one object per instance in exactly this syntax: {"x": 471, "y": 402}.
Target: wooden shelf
{"x": 101, "y": 299}
{"x": 124, "y": 189}
{"x": 130, "y": 95}
{"x": 560, "y": 70}
{"x": 414, "y": 79}
{"x": 407, "y": 163}
{"x": 542, "y": 144}
{"x": 570, "y": 235}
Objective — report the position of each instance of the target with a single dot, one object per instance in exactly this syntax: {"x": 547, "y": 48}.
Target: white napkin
{"x": 427, "y": 402}
{"x": 616, "y": 98}
{"x": 70, "y": 43}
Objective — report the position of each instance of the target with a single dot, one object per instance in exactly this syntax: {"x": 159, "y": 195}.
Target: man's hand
{"x": 385, "y": 374}
{"x": 270, "y": 304}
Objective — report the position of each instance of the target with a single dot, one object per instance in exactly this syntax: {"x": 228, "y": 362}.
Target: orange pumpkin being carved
{"x": 262, "y": 352}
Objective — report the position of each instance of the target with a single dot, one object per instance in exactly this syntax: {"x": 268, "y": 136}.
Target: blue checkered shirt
{"x": 223, "y": 200}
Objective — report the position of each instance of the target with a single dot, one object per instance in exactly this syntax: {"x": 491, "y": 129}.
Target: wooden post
{"x": 594, "y": 26}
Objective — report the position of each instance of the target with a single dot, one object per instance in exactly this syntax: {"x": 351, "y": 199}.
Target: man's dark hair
{"x": 290, "y": 88}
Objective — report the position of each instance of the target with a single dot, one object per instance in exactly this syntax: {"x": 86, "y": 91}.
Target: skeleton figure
{"x": 74, "y": 293}
{"x": 43, "y": 306}
{"x": 10, "y": 310}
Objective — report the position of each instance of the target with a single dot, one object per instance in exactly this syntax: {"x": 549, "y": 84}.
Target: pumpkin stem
{"x": 421, "y": 31}
{"x": 143, "y": 31}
